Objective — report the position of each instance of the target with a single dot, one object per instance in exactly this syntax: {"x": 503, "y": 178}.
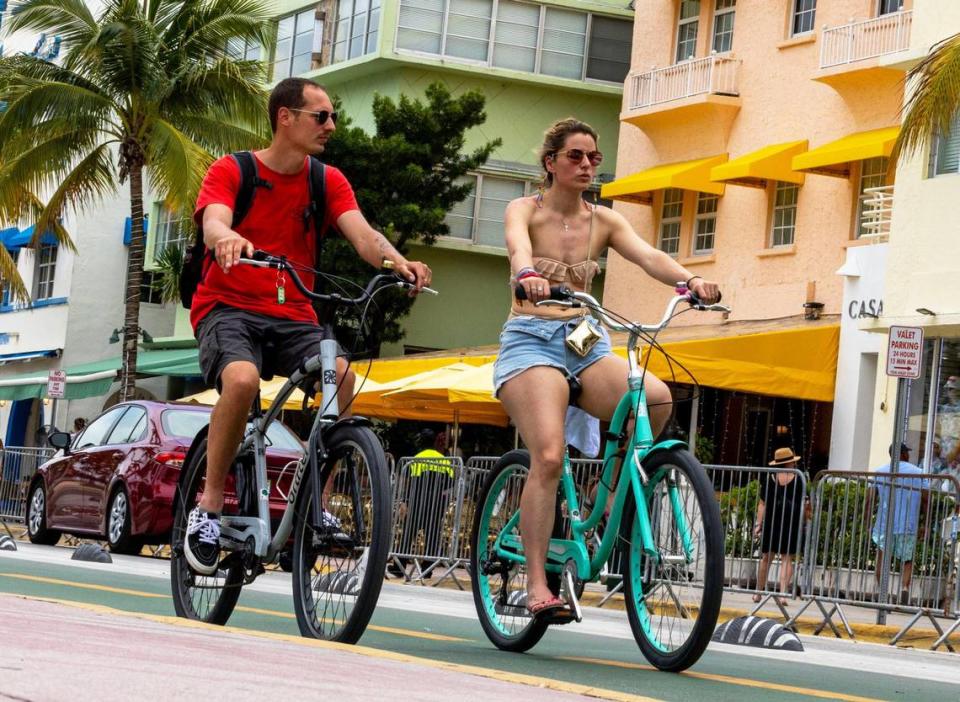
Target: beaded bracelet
{"x": 526, "y": 273}
{"x": 692, "y": 278}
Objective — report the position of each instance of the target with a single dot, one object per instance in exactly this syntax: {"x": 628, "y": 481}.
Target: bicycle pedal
{"x": 568, "y": 592}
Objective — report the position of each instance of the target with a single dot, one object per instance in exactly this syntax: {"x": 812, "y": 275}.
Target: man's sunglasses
{"x": 322, "y": 116}
{"x": 576, "y": 156}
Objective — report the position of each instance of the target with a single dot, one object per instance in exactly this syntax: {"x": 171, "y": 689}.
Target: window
{"x": 670, "y": 218}
{"x": 5, "y": 288}
{"x": 945, "y": 155}
{"x": 173, "y": 229}
{"x": 887, "y": 7}
{"x": 95, "y": 433}
{"x": 129, "y": 428}
{"x": 479, "y": 218}
{"x": 873, "y": 174}
{"x": 784, "y": 214}
{"x": 299, "y": 36}
{"x": 723, "y": 25}
{"x": 609, "y": 55}
{"x": 564, "y": 41}
{"x": 358, "y": 22}
{"x": 687, "y": 29}
{"x": 516, "y": 36}
{"x": 706, "y": 223}
{"x": 150, "y": 288}
{"x": 804, "y": 13}
{"x": 520, "y": 36}
{"x": 468, "y": 29}
{"x": 244, "y": 50}
{"x": 46, "y": 268}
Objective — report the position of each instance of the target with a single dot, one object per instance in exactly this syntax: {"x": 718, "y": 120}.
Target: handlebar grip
{"x": 694, "y": 300}
{"x": 260, "y": 255}
{"x": 557, "y": 292}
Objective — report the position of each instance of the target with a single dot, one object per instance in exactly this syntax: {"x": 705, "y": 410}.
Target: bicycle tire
{"x": 662, "y": 599}
{"x": 204, "y": 598}
{"x": 338, "y": 572}
{"x": 500, "y": 598}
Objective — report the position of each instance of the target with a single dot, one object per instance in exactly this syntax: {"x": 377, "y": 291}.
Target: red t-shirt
{"x": 274, "y": 224}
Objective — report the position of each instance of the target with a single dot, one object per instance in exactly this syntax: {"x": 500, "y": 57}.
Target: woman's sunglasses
{"x": 576, "y": 156}
{"x": 322, "y": 116}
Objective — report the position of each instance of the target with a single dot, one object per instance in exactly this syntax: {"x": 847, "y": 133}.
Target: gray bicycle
{"x": 338, "y": 504}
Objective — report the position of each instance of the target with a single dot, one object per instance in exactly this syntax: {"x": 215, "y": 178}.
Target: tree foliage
{"x": 407, "y": 175}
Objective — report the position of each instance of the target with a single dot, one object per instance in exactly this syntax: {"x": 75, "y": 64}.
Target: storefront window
{"x": 933, "y": 422}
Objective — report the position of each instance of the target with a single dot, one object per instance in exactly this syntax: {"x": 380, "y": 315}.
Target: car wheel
{"x": 119, "y": 525}
{"x": 37, "y": 517}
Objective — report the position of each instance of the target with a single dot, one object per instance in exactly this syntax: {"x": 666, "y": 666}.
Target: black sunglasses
{"x": 322, "y": 116}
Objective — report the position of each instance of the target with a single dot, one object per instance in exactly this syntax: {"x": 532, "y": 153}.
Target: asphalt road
{"x": 432, "y": 639}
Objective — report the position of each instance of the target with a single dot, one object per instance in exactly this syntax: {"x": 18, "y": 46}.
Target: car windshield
{"x": 185, "y": 423}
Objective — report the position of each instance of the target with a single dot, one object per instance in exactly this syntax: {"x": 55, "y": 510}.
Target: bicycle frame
{"x": 242, "y": 529}
{"x": 639, "y": 445}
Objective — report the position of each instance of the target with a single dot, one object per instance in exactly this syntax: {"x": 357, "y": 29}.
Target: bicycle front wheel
{"x": 339, "y": 559}
{"x": 208, "y": 598}
{"x": 500, "y": 585}
{"x": 673, "y": 599}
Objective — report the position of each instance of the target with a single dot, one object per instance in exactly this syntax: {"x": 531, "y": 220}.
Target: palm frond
{"x": 71, "y": 19}
{"x": 203, "y": 29}
{"x": 935, "y": 99}
{"x": 169, "y": 265}
{"x": 10, "y": 278}
{"x": 217, "y": 135}
{"x": 85, "y": 185}
{"x": 175, "y": 164}
{"x": 34, "y": 109}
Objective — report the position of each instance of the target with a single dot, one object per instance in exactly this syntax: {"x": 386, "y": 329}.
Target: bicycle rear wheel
{"x": 673, "y": 601}
{"x": 338, "y": 565}
{"x": 208, "y": 598}
{"x": 499, "y": 585}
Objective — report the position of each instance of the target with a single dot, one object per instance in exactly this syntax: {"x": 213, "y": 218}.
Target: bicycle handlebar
{"x": 562, "y": 296}
{"x": 262, "y": 259}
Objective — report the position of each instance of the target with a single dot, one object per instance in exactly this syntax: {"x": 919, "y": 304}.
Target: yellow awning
{"x": 834, "y": 158}
{"x": 799, "y": 362}
{"x": 686, "y": 175}
{"x": 769, "y": 163}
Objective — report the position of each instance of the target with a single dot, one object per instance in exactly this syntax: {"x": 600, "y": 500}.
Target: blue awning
{"x": 27, "y": 355}
{"x": 16, "y": 239}
{"x": 128, "y": 229}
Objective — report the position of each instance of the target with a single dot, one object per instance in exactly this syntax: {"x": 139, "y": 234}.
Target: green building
{"x": 534, "y": 61}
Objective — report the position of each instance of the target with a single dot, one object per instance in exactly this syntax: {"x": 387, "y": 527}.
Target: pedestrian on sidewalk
{"x": 778, "y": 520}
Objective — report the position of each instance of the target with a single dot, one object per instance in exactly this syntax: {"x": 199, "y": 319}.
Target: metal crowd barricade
{"x": 752, "y": 545}
{"x": 426, "y": 507}
{"x": 855, "y": 514}
{"x": 18, "y": 464}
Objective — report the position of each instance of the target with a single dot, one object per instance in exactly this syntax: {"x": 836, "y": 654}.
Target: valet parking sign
{"x": 904, "y": 351}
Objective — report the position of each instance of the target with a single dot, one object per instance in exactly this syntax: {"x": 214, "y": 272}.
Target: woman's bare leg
{"x": 537, "y": 401}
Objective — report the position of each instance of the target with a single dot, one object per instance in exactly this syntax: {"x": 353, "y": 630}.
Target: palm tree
{"x": 934, "y": 104}
{"x": 147, "y": 87}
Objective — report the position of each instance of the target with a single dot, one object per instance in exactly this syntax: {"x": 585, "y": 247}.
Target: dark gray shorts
{"x": 275, "y": 346}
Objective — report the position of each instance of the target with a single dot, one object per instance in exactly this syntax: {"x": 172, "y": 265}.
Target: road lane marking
{"x": 490, "y": 673}
{"x": 251, "y": 610}
{"x": 745, "y": 682}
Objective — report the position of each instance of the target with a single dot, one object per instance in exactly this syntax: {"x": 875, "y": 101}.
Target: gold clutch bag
{"x": 582, "y": 338}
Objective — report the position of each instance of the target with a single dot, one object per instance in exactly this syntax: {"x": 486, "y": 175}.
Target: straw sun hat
{"x": 784, "y": 456}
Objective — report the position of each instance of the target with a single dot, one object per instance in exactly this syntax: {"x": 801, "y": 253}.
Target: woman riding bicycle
{"x": 555, "y": 238}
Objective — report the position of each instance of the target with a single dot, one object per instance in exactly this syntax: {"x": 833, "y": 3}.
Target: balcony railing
{"x": 715, "y": 74}
{"x": 865, "y": 39}
{"x": 876, "y": 212}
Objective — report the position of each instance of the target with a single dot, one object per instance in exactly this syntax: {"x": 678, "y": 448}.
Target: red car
{"x": 117, "y": 478}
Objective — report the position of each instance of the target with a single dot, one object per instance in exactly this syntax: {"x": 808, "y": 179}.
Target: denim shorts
{"x": 528, "y": 341}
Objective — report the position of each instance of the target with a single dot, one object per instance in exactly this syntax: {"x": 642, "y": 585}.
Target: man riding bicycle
{"x": 246, "y": 320}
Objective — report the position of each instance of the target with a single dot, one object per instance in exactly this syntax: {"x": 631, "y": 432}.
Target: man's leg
{"x": 240, "y": 381}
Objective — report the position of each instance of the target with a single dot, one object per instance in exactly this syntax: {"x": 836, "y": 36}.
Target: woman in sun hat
{"x": 778, "y": 519}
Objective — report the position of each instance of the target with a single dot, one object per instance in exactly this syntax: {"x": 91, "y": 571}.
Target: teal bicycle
{"x": 664, "y": 521}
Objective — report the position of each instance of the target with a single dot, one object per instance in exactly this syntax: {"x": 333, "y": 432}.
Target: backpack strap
{"x": 317, "y": 209}
{"x": 250, "y": 180}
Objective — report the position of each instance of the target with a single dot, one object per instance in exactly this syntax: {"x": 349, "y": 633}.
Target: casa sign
{"x": 904, "y": 352}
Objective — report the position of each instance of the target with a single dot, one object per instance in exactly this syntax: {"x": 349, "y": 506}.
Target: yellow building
{"x": 755, "y": 149}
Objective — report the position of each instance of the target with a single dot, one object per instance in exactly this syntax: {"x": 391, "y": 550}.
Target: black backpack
{"x": 197, "y": 259}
